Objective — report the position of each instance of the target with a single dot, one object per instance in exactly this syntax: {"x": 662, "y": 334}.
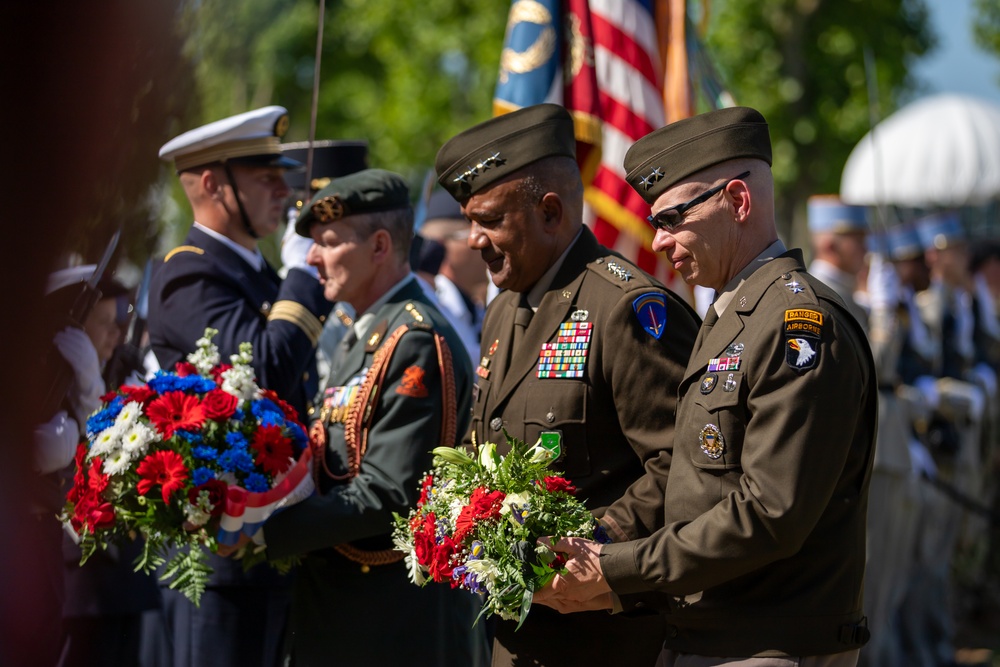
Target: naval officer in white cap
{"x": 232, "y": 172}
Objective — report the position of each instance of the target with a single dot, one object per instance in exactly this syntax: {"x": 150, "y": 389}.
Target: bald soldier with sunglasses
{"x": 759, "y": 554}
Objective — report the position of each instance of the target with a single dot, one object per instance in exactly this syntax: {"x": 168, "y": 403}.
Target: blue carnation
{"x": 205, "y": 453}
{"x": 103, "y": 419}
{"x": 190, "y": 436}
{"x": 265, "y": 406}
{"x": 236, "y": 459}
{"x": 271, "y": 419}
{"x": 202, "y": 475}
{"x": 236, "y": 440}
{"x": 238, "y": 415}
{"x": 297, "y": 434}
{"x": 256, "y": 483}
{"x": 163, "y": 382}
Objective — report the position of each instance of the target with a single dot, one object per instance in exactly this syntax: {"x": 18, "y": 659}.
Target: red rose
{"x": 423, "y": 539}
{"x": 219, "y": 405}
{"x": 555, "y": 484}
{"x": 487, "y": 504}
{"x": 164, "y": 468}
{"x": 185, "y": 368}
{"x": 92, "y": 513}
{"x": 216, "y": 494}
{"x": 441, "y": 565}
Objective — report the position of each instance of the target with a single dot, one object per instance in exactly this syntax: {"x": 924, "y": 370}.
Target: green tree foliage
{"x": 986, "y": 25}
{"x": 801, "y": 63}
{"x": 404, "y": 75}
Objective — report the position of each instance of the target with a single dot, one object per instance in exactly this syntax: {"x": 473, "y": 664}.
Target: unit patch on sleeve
{"x": 651, "y": 310}
{"x": 567, "y": 357}
{"x": 412, "y": 383}
{"x": 803, "y": 331}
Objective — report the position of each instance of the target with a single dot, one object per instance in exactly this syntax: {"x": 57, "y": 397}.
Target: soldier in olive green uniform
{"x": 404, "y": 387}
{"x": 581, "y": 348}
{"x": 761, "y": 549}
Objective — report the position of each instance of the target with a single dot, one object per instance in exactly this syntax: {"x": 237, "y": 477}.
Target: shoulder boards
{"x": 619, "y": 272}
{"x": 376, "y": 336}
{"x": 414, "y": 313}
{"x": 183, "y": 248}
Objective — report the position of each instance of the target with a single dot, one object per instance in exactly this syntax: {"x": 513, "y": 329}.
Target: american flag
{"x": 605, "y": 61}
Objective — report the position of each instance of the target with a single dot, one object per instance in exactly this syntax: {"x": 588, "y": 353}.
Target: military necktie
{"x": 711, "y": 317}
{"x": 521, "y": 320}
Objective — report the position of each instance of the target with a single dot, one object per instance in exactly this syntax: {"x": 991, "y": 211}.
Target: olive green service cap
{"x": 368, "y": 191}
{"x": 493, "y": 150}
{"x": 672, "y": 153}
{"x": 251, "y": 138}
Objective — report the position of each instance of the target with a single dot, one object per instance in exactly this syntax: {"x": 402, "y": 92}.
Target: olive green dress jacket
{"x": 614, "y": 420}
{"x": 762, "y": 545}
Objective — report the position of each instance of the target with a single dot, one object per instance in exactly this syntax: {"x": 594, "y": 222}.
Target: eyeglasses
{"x": 669, "y": 218}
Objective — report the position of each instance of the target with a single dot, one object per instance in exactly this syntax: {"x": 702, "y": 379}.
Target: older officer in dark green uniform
{"x": 760, "y": 553}
{"x": 581, "y": 348}
{"x": 403, "y": 388}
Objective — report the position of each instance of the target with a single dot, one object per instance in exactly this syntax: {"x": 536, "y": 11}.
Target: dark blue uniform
{"x": 204, "y": 283}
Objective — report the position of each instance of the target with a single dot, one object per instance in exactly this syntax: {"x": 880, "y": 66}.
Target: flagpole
{"x": 315, "y": 97}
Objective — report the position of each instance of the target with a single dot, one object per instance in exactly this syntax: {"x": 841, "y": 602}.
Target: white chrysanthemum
{"x": 414, "y": 570}
{"x": 117, "y": 462}
{"x": 128, "y": 416}
{"x": 106, "y": 443}
{"x": 136, "y": 440}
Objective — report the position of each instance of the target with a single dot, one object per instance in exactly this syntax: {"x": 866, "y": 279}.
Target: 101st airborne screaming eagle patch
{"x": 803, "y": 332}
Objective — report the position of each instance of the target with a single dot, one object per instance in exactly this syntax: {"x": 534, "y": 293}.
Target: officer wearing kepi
{"x": 760, "y": 549}
{"x": 232, "y": 172}
{"x": 580, "y": 348}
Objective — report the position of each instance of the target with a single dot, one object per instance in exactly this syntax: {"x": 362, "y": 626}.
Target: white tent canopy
{"x": 939, "y": 151}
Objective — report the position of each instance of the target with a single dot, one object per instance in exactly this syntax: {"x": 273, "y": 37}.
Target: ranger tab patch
{"x": 651, "y": 311}
{"x": 803, "y": 331}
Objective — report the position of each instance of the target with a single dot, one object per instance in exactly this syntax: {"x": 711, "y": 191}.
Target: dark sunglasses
{"x": 670, "y": 218}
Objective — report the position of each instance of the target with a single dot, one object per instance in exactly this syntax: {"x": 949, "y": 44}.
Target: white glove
{"x": 294, "y": 249}
{"x": 55, "y": 443}
{"x": 928, "y": 389}
{"x": 883, "y": 283}
{"x": 75, "y": 347}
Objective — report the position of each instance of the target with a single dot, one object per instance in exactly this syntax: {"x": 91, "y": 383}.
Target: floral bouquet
{"x": 190, "y": 460}
{"x": 478, "y": 519}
